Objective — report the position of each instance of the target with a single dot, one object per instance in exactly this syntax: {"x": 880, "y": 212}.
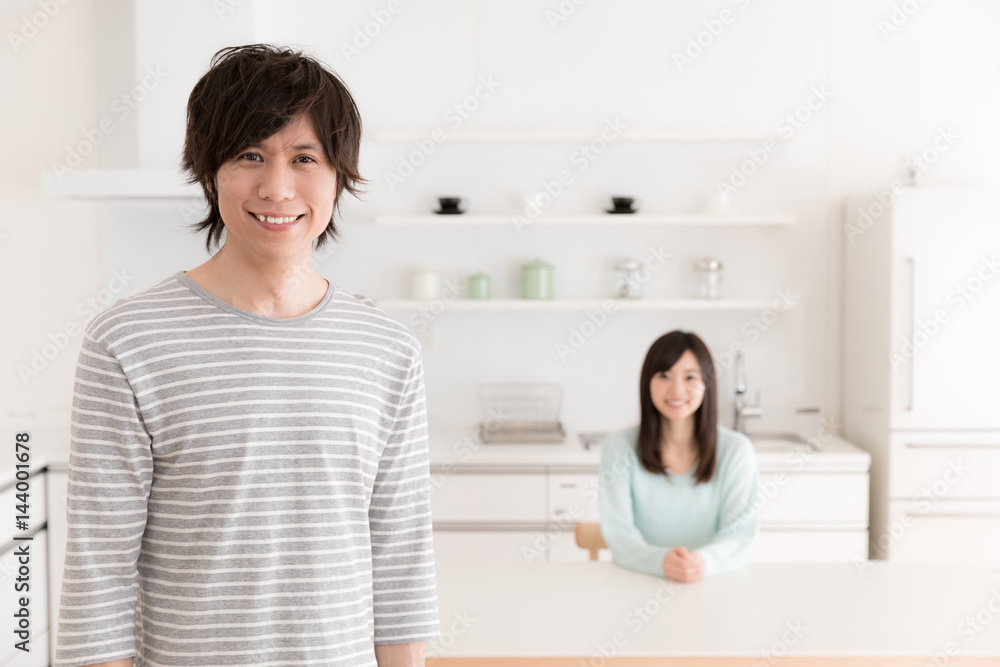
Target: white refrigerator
{"x": 922, "y": 369}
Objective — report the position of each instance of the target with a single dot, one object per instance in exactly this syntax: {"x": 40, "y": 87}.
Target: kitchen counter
{"x": 458, "y": 451}
{"x": 562, "y": 614}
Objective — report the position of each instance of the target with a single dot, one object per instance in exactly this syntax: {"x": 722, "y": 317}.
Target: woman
{"x": 677, "y": 490}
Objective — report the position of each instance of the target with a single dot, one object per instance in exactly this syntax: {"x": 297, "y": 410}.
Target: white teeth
{"x": 276, "y": 221}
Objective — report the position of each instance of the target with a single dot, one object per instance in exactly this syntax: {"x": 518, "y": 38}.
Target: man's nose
{"x": 277, "y": 181}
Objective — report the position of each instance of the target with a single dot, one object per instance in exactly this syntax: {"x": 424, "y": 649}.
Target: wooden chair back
{"x": 588, "y": 536}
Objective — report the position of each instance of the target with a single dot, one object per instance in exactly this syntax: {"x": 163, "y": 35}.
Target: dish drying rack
{"x": 521, "y": 413}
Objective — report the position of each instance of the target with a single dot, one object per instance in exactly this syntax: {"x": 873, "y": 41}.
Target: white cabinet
{"x": 491, "y": 497}
{"x": 940, "y": 466}
{"x": 813, "y": 497}
{"x": 945, "y": 306}
{"x": 921, "y": 325}
{"x": 573, "y": 498}
{"x": 963, "y": 531}
{"x": 806, "y": 515}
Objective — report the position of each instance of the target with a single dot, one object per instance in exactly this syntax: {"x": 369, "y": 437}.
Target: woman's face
{"x": 677, "y": 393}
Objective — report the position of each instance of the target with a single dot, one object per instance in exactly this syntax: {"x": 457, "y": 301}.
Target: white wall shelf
{"x": 580, "y": 304}
{"x": 599, "y": 220}
{"x": 118, "y": 184}
{"x": 565, "y": 135}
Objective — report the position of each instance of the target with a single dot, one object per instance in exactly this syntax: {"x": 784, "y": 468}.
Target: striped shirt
{"x": 246, "y": 490}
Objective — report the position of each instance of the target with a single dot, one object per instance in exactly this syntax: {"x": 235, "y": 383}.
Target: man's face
{"x": 285, "y": 176}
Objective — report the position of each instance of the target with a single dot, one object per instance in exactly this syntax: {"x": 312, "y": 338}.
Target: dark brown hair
{"x": 662, "y": 356}
{"x": 248, "y": 94}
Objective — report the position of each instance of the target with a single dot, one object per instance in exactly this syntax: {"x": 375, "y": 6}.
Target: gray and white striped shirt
{"x": 246, "y": 490}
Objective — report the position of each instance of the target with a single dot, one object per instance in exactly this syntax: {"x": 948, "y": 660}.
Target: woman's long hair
{"x": 662, "y": 356}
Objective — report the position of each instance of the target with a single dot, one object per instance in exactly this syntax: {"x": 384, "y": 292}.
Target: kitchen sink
{"x": 763, "y": 442}
{"x": 770, "y": 442}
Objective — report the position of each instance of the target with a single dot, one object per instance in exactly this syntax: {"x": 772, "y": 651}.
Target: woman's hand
{"x": 682, "y": 565}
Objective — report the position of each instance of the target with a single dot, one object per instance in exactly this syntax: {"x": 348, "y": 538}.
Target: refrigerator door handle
{"x": 913, "y": 327}
{"x": 957, "y": 445}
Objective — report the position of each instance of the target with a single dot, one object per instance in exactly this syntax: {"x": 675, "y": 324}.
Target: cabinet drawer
{"x": 952, "y": 466}
{"x": 943, "y": 531}
{"x": 489, "y": 497}
{"x": 811, "y": 545}
{"x": 36, "y": 508}
{"x": 807, "y": 496}
{"x": 573, "y": 498}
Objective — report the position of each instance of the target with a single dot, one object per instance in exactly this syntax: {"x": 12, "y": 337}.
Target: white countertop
{"x": 455, "y": 451}
{"x": 460, "y": 450}
{"x": 812, "y": 609}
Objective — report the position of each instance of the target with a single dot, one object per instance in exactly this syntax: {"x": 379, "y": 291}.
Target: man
{"x": 248, "y": 476}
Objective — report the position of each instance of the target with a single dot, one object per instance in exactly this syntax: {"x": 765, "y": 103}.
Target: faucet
{"x": 742, "y": 411}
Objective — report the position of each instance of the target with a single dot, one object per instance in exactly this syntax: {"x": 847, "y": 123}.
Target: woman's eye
{"x": 246, "y": 155}
{"x": 306, "y": 157}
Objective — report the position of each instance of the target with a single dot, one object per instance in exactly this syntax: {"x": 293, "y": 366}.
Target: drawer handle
{"x": 939, "y": 445}
{"x": 954, "y": 515}
{"x": 567, "y": 485}
{"x": 558, "y": 511}
{"x": 913, "y": 329}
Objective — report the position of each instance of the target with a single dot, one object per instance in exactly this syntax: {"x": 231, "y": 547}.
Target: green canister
{"x": 479, "y": 286}
{"x": 537, "y": 280}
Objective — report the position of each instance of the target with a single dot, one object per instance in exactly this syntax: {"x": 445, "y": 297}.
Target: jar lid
{"x": 709, "y": 264}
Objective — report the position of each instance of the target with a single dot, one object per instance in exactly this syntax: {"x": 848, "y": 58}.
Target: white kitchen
{"x": 810, "y": 187}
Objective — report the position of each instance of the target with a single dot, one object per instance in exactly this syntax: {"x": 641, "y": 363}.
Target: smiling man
{"x": 248, "y": 479}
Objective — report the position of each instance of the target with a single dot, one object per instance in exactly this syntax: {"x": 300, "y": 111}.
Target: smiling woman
{"x": 677, "y": 489}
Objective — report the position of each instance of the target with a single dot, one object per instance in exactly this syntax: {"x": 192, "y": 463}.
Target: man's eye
{"x": 306, "y": 157}
{"x": 246, "y": 155}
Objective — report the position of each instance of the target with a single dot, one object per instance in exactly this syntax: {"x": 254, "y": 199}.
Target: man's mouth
{"x": 276, "y": 220}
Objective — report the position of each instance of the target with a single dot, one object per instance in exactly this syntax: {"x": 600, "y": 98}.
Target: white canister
{"x": 425, "y": 284}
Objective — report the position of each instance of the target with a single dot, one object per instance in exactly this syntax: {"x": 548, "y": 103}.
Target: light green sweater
{"x": 643, "y": 515}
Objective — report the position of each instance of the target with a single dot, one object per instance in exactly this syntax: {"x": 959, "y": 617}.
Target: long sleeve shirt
{"x": 246, "y": 490}
{"x": 645, "y": 515}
